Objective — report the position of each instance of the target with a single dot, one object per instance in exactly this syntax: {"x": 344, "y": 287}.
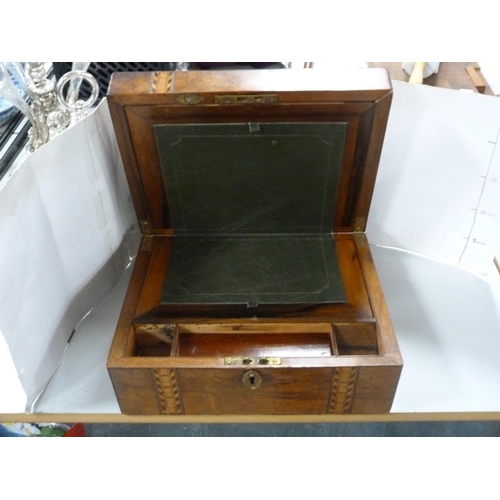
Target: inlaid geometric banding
{"x": 167, "y": 391}
{"x": 343, "y": 387}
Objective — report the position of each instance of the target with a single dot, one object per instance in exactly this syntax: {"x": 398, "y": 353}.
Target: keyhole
{"x": 252, "y": 380}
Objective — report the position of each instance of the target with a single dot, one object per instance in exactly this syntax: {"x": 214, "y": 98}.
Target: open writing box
{"x": 254, "y": 291}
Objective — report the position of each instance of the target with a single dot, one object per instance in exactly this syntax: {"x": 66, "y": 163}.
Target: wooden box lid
{"x": 252, "y": 151}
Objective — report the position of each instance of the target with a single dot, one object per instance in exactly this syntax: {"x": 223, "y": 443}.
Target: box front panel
{"x": 262, "y": 391}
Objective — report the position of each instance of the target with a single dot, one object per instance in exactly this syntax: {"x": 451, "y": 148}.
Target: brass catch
{"x": 246, "y": 99}
{"x": 252, "y": 361}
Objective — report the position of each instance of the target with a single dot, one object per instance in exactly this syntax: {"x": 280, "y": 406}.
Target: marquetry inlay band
{"x": 153, "y": 83}
{"x": 167, "y": 390}
{"x": 170, "y": 81}
{"x": 343, "y": 387}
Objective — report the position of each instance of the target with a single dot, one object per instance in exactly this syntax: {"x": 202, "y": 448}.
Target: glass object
{"x": 77, "y": 109}
{"x": 44, "y": 102}
{"x": 75, "y": 83}
{"x": 39, "y": 132}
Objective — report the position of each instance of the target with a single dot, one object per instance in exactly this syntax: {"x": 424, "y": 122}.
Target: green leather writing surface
{"x": 253, "y": 270}
{"x": 251, "y": 178}
{"x": 252, "y": 206}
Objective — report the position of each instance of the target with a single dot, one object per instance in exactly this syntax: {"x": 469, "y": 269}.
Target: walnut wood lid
{"x": 295, "y": 110}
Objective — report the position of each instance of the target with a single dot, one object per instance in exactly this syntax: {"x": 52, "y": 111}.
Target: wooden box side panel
{"x": 135, "y": 390}
{"x": 387, "y": 339}
{"x": 372, "y": 159}
{"x": 375, "y": 389}
{"x": 123, "y": 341}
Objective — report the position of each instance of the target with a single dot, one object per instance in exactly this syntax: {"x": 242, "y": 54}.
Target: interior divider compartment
{"x": 237, "y": 339}
{"x": 154, "y": 340}
{"x": 357, "y": 338}
{"x": 259, "y": 339}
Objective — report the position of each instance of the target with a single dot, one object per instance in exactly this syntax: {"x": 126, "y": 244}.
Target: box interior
{"x": 243, "y": 340}
{"x": 254, "y": 344}
{"x": 255, "y": 339}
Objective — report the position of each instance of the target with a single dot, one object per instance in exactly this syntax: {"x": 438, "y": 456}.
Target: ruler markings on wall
{"x": 484, "y": 235}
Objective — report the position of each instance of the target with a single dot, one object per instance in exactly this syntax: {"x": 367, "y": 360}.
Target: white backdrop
{"x": 438, "y": 187}
{"x": 63, "y": 216}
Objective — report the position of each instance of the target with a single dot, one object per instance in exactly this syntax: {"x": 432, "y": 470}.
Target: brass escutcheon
{"x": 190, "y": 99}
{"x": 252, "y": 379}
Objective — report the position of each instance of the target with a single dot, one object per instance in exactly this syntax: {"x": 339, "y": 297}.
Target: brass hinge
{"x": 147, "y": 243}
{"x": 146, "y": 227}
{"x": 360, "y": 239}
{"x": 359, "y": 224}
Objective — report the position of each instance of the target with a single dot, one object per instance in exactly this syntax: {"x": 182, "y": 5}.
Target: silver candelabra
{"x": 44, "y": 102}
